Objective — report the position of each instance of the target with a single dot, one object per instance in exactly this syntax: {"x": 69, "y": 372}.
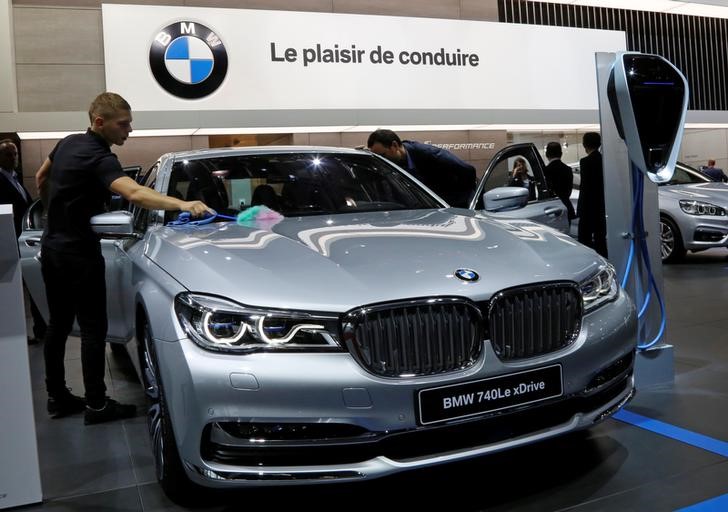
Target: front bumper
{"x": 703, "y": 232}
{"x": 442, "y": 445}
{"x": 209, "y": 394}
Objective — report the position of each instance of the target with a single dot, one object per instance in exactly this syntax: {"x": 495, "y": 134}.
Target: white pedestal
{"x": 19, "y": 471}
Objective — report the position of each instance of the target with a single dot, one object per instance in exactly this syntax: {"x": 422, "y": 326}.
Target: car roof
{"x": 259, "y": 150}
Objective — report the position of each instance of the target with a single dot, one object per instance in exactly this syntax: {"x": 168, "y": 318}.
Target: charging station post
{"x": 642, "y": 106}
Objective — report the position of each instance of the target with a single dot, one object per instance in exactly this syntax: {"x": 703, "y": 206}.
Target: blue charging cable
{"x": 638, "y": 247}
{"x": 186, "y": 219}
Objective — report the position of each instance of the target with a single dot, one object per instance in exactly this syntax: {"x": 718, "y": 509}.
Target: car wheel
{"x": 169, "y": 470}
{"x": 671, "y": 244}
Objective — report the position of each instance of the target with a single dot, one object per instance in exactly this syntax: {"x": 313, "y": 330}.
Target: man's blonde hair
{"x": 107, "y": 105}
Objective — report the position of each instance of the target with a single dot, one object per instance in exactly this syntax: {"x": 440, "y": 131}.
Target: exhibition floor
{"x": 615, "y": 466}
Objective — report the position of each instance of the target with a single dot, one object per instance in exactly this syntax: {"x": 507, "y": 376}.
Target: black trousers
{"x": 75, "y": 289}
{"x": 39, "y": 325}
{"x": 593, "y": 233}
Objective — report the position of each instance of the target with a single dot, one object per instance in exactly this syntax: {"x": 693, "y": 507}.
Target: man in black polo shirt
{"x": 74, "y": 182}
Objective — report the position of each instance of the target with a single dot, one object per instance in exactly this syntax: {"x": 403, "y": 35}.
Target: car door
{"x": 119, "y": 296}
{"x": 117, "y": 269}
{"x": 543, "y": 205}
{"x": 29, "y": 246}
{"x": 119, "y": 281}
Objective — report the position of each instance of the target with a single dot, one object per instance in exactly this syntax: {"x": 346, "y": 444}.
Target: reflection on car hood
{"x": 715, "y": 192}
{"x": 334, "y": 263}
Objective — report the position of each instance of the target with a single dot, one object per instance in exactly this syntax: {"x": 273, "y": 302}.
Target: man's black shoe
{"x": 112, "y": 410}
{"x": 65, "y": 404}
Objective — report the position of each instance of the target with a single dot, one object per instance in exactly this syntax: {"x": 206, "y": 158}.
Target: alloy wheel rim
{"x": 667, "y": 240}
{"x": 154, "y": 413}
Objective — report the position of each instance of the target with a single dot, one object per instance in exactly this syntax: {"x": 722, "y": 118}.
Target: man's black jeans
{"x": 39, "y": 325}
{"x": 593, "y": 233}
{"x": 75, "y": 288}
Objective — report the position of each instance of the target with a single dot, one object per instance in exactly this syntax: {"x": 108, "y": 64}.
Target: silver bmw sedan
{"x": 340, "y": 322}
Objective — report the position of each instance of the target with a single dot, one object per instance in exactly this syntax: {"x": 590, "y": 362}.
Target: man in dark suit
{"x": 446, "y": 174}
{"x": 13, "y": 192}
{"x": 713, "y": 172}
{"x": 590, "y": 207}
{"x": 559, "y": 177}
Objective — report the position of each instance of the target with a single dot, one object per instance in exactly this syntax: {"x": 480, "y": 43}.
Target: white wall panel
{"x": 58, "y": 36}
{"x": 7, "y": 62}
{"x": 520, "y": 77}
{"x": 698, "y": 146}
{"x": 59, "y": 88}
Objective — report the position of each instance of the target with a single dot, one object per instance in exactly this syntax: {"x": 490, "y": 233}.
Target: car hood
{"x": 712, "y": 192}
{"x": 334, "y": 263}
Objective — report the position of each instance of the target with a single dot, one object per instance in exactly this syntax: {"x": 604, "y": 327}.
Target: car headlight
{"x": 599, "y": 289}
{"x": 219, "y": 324}
{"x": 701, "y": 208}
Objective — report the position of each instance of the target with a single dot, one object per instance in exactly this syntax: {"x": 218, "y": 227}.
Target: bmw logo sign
{"x": 188, "y": 60}
{"x": 465, "y": 274}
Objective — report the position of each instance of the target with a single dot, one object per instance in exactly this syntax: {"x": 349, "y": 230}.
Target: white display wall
{"x": 279, "y": 60}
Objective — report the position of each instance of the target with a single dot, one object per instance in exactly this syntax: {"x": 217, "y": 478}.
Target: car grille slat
{"x": 535, "y": 320}
{"x": 415, "y": 338}
{"x": 405, "y": 344}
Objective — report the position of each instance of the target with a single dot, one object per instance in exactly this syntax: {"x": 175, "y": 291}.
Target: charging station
{"x": 642, "y": 105}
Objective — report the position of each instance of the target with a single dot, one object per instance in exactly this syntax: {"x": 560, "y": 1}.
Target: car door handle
{"x": 32, "y": 241}
{"x": 554, "y": 211}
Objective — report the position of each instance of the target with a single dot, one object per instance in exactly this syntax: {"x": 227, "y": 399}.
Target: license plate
{"x": 489, "y": 395}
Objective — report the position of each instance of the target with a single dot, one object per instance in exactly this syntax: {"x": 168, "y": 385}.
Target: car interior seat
{"x": 265, "y": 195}
{"x": 305, "y": 195}
{"x": 205, "y": 187}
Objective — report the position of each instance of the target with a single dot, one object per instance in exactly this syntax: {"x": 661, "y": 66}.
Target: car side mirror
{"x": 505, "y": 198}
{"x": 119, "y": 224}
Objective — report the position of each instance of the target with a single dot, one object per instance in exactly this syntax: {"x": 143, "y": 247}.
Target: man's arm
{"x": 41, "y": 181}
{"x": 454, "y": 164}
{"x": 153, "y": 200}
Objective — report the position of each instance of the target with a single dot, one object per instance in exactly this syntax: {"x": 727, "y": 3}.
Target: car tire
{"x": 169, "y": 469}
{"x": 671, "y": 244}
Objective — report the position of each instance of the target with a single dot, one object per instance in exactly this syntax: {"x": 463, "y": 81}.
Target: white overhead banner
{"x": 188, "y": 58}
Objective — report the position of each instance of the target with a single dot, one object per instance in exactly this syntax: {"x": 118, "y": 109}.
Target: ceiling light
{"x": 163, "y": 132}
{"x": 44, "y": 135}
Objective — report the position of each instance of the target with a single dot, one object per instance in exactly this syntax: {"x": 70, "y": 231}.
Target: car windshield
{"x": 296, "y": 184}
{"x": 684, "y": 175}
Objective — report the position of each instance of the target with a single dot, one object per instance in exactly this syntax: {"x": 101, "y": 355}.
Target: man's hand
{"x": 196, "y": 208}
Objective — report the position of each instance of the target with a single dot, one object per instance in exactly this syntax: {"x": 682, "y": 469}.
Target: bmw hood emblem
{"x": 465, "y": 274}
